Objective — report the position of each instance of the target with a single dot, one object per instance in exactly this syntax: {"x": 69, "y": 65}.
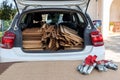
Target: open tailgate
{"x": 21, "y": 4}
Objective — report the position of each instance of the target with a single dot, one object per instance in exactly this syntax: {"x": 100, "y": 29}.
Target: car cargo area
{"x": 52, "y": 32}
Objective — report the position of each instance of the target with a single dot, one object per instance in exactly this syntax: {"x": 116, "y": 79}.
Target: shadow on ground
{"x": 5, "y": 66}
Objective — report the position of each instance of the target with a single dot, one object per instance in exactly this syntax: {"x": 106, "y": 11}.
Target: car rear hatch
{"x": 22, "y": 4}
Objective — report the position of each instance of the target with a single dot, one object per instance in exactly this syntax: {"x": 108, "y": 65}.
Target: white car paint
{"x": 16, "y": 54}
{"x": 21, "y": 4}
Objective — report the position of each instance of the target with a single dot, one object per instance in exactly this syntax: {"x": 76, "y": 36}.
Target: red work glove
{"x": 88, "y": 65}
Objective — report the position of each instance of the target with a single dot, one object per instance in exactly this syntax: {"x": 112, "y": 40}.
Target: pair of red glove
{"x": 104, "y": 65}
{"x": 90, "y": 63}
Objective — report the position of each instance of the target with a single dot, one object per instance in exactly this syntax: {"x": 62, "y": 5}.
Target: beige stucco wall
{"x": 105, "y": 10}
{"x": 100, "y": 9}
{"x": 115, "y": 11}
{"x": 96, "y": 12}
{"x": 92, "y": 9}
{"x": 95, "y": 9}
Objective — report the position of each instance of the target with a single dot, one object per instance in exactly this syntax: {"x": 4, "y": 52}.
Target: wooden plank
{"x": 69, "y": 30}
{"x": 32, "y": 38}
{"x": 27, "y": 46}
{"x": 31, "y": 42}
{"x": 50, "y": 28}
{"x": 30, "y": 49}
{"x": 51, "y": 43}
{"x": 31, "y": 34}
{"x": 73, "y": 37}
{"x": 31, "y": 30}
{"x": 71, "y": 33}
{"x": 61, "y": 29}
{"x": 57, "y": 44}
{"x": 53, "y": 46}
{"x": 49, "y": 37}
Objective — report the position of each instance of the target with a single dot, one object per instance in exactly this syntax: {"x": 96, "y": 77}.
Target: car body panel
{"x": 16, "y": 54}
{"x": 22, "y": 4}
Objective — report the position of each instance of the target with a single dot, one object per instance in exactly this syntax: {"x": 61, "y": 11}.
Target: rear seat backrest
{"x": 68, "y": 21}
{"x": 37, "y": 18}
{"x": 29, "y": 20}
{"x": 67, "y": 18}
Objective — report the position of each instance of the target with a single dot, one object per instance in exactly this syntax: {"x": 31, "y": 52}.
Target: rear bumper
{"x": 16, "y": 54}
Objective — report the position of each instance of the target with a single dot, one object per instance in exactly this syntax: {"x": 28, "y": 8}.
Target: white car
{"x": 22, "y": 41}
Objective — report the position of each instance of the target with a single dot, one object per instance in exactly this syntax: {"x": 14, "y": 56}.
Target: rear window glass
{"x": 52, "y": 17}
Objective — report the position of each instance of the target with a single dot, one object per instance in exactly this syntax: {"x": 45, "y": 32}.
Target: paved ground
{"x": 55, "y": 70}
{"x": 112, "y": 44}
{"x": 66, "y": 70}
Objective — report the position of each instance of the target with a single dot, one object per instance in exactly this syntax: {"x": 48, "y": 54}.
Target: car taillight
{"x": 8, "y": 40}
{"x": 97, "y": 39}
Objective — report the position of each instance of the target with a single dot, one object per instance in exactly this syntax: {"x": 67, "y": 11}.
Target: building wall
{"x": 100, "y": 9}
{"x": 95, "y": 9}
{"x": 92, "y": 9}
{"x": 107, "y": 11}
{"x": 115, "y": 11}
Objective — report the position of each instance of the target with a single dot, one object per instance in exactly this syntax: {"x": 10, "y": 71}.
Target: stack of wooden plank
{"x": 51, "y": 37}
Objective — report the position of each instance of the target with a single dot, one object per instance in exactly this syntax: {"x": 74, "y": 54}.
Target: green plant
{"x": 7, "y": 11}
{"x": 0, "y": 36}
